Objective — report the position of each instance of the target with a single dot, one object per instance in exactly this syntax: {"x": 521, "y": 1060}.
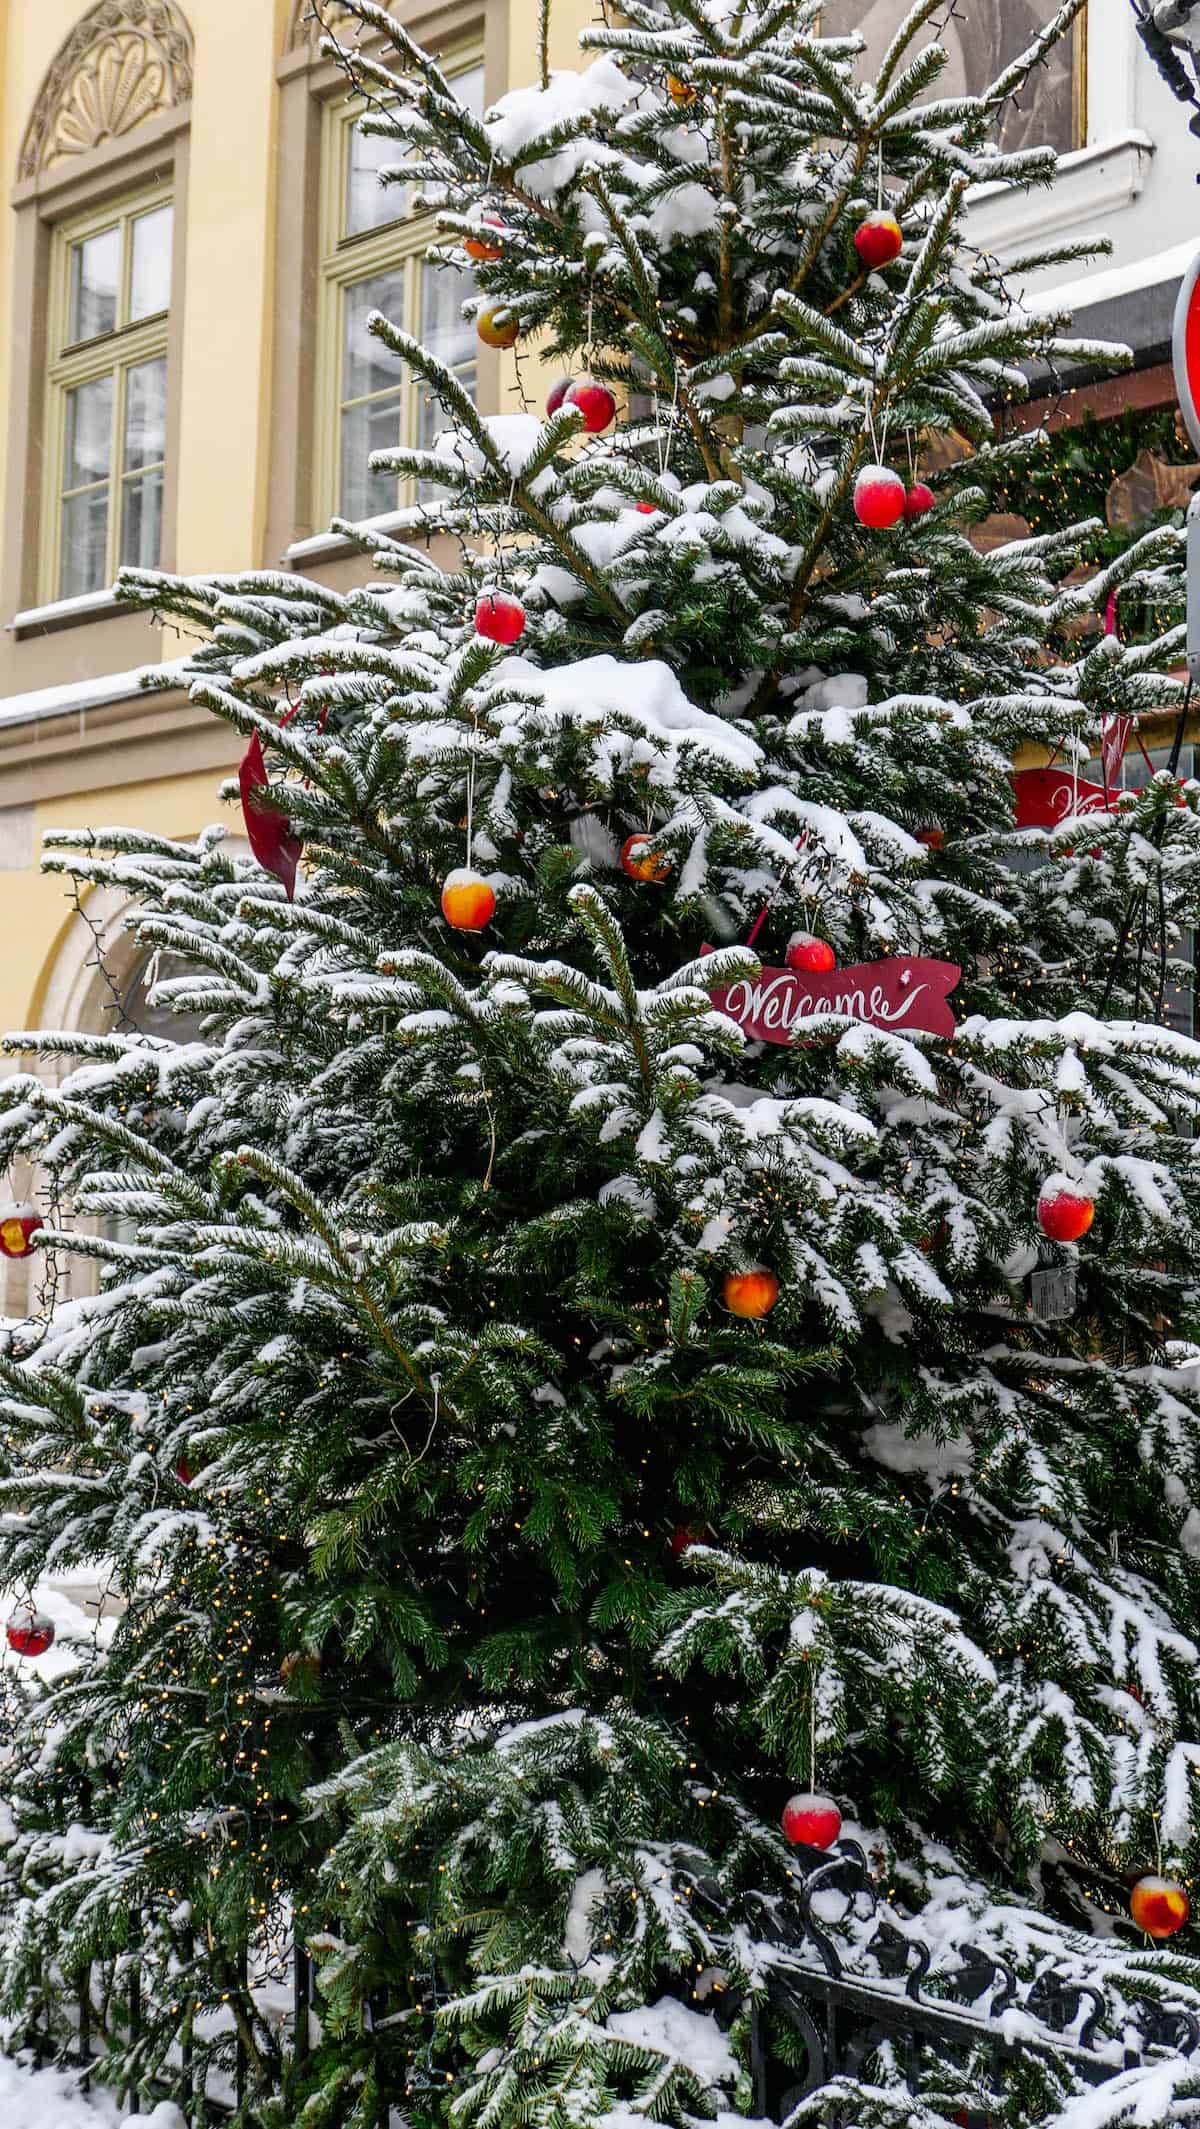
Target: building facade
{"x": 194, "y": 234}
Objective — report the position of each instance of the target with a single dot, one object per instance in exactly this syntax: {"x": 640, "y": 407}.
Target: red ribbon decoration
{"x": 900, "y": 994}
{"x": 268, "y": 832}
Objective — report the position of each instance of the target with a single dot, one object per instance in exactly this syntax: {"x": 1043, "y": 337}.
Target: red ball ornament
{"x": 499, "y": 618}
{"x": 647, "y": 509}
{"x": 557, "y": 393}
{"x": 751, "y": 1293}
{"x": 18, "y": 1225}
{"x": 480, "y": 248}
{"x": 468, "y": 903}
{"x": 184, "y": 1472}
{"x": 594, "y": 401}
{"x": 1065, "y": 1215}
{"x": 812, "y": 957}
{"x": 933, "y": 838}
{"x": 878, "y": 241}
{"x": 683, "y": 1535}
{"x": 811, "y": 1821}
{"x": 641, "y": 861}
{"x": 1159, "y": 1906}
{"x": 878, "y": 498}
{"x": 918, "y": 500}
{"x": 29, "y": 1633}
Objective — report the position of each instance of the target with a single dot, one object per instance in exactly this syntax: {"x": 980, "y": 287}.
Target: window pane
{"x": 468, "y": 87}
{"x": 84, "y": 565}
{"x": 369, "y": 204}
{"x": 88, "y": 453}
{"x": 141, "y": 518}
{"x": 95, "y": 280}
{"x": 443, "y": 329}
{"x": 145, "y": 414}
{"x": 980, "y": 43}
{"x": 150, "y": 274}
{"x": 372, "y": 426}
{"x": 367, "y": 365}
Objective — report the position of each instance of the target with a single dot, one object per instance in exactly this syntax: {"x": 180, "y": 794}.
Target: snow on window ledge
{"x": 67, "y": 613}
{"x": 1091, "y": 183}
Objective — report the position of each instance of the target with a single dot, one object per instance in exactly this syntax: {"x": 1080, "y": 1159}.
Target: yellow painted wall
{"x": 36, "y": 907}
{"x": 226, "y": 327}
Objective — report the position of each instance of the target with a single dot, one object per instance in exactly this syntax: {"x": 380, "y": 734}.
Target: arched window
{"x": 98, "y": 200}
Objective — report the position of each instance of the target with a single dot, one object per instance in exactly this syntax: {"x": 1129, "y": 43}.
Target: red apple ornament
{"x": 18, "y": 1225}
{"x": 29, "y": 1633}
{"x": 481, "y": 247}
{"x": 751, "y": 1293}
{"x": 878, "y": 241}
{"x": 642, "y": 862}
{"x": 594, "y": 401}
{"x": 918, "y": 500}
{"x": 1064, "y": 1215}
{"x": 811, "y": 1821}
{"x": 468, "y": 903}
{"x": 500, "y": 618}
{"x": 557, "y": 393}
{"x": 1159, "y": 1906}
{"x": 812, "y": 957}
{"x": 879, "y": 497}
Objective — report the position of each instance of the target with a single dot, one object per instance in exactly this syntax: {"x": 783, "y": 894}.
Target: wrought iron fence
{"x": 837, "y": 2013}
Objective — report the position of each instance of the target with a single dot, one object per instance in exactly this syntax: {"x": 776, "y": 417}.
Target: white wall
{"x": 1134, "y": 182}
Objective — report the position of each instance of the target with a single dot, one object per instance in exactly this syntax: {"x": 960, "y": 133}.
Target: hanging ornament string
{"x": 879, "y": 178}
{"x": 773, "y": 897}
{"x": 812, "y": 1732}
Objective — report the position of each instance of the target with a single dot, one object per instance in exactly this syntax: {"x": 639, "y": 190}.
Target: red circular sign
{"x": 1186, "y": 349}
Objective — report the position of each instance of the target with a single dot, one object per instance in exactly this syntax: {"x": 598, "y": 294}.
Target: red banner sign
{"x": 901, "y": 994}
{"x": 1047, "y": 797}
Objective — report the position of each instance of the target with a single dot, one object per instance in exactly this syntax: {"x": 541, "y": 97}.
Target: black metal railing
{"x": 825, "y": 2012}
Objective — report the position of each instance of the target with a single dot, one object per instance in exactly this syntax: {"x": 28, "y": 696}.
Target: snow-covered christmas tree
{"x": 586, "y": 1347}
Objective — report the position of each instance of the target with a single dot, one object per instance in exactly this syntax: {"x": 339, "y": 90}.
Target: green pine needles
{"x": 478, "y": 1585}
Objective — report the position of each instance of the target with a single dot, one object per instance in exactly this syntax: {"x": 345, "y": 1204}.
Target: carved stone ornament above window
{"x": 123, "y": 62}
{"x": 306, "y": 31}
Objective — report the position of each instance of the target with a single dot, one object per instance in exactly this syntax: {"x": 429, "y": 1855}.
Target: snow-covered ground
{"x": 46, "y": 2099}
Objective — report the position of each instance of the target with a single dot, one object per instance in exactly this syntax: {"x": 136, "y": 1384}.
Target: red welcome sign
{"x": 1047, "y": 797}
{"x": 902, "y": 994}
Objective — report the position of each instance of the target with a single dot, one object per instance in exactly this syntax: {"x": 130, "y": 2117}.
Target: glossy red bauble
{"x": 557, "y": 393}
{"x": 813, "y": 957}
{"x": 1065, "y": 1215}
{"x": 933, "y": 838}
{"x": 468, "y": 903}
{"x": 641, "y": 861}
{"x": 878, "y": 241}
{"x": 500, "y": 618}
{"x": 18, "y": 1225}
{"x": 183, "y": 1472}
{"x": 647, "y": 509}
{"x": 878, "y": 498}
{"x": 685, "y": 1534}
{"x": 811, "y": 1821}
{"x": 594, "y": 401}
{"x": 1159, "y": 1906}
{"x": 29, "y": 1633}
{"x": 918, "y": 500}
{"x": 751, "y": 1293}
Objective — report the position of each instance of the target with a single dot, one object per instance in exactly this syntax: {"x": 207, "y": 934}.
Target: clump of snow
{"x": 685, "y": 2036}
{"x": 51, "y": 2099}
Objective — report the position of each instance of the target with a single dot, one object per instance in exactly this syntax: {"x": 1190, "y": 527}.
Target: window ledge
{"x": 67, "y": 613}
{"x": 1090, "y": 182}
{"x": 335, "y": 547}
